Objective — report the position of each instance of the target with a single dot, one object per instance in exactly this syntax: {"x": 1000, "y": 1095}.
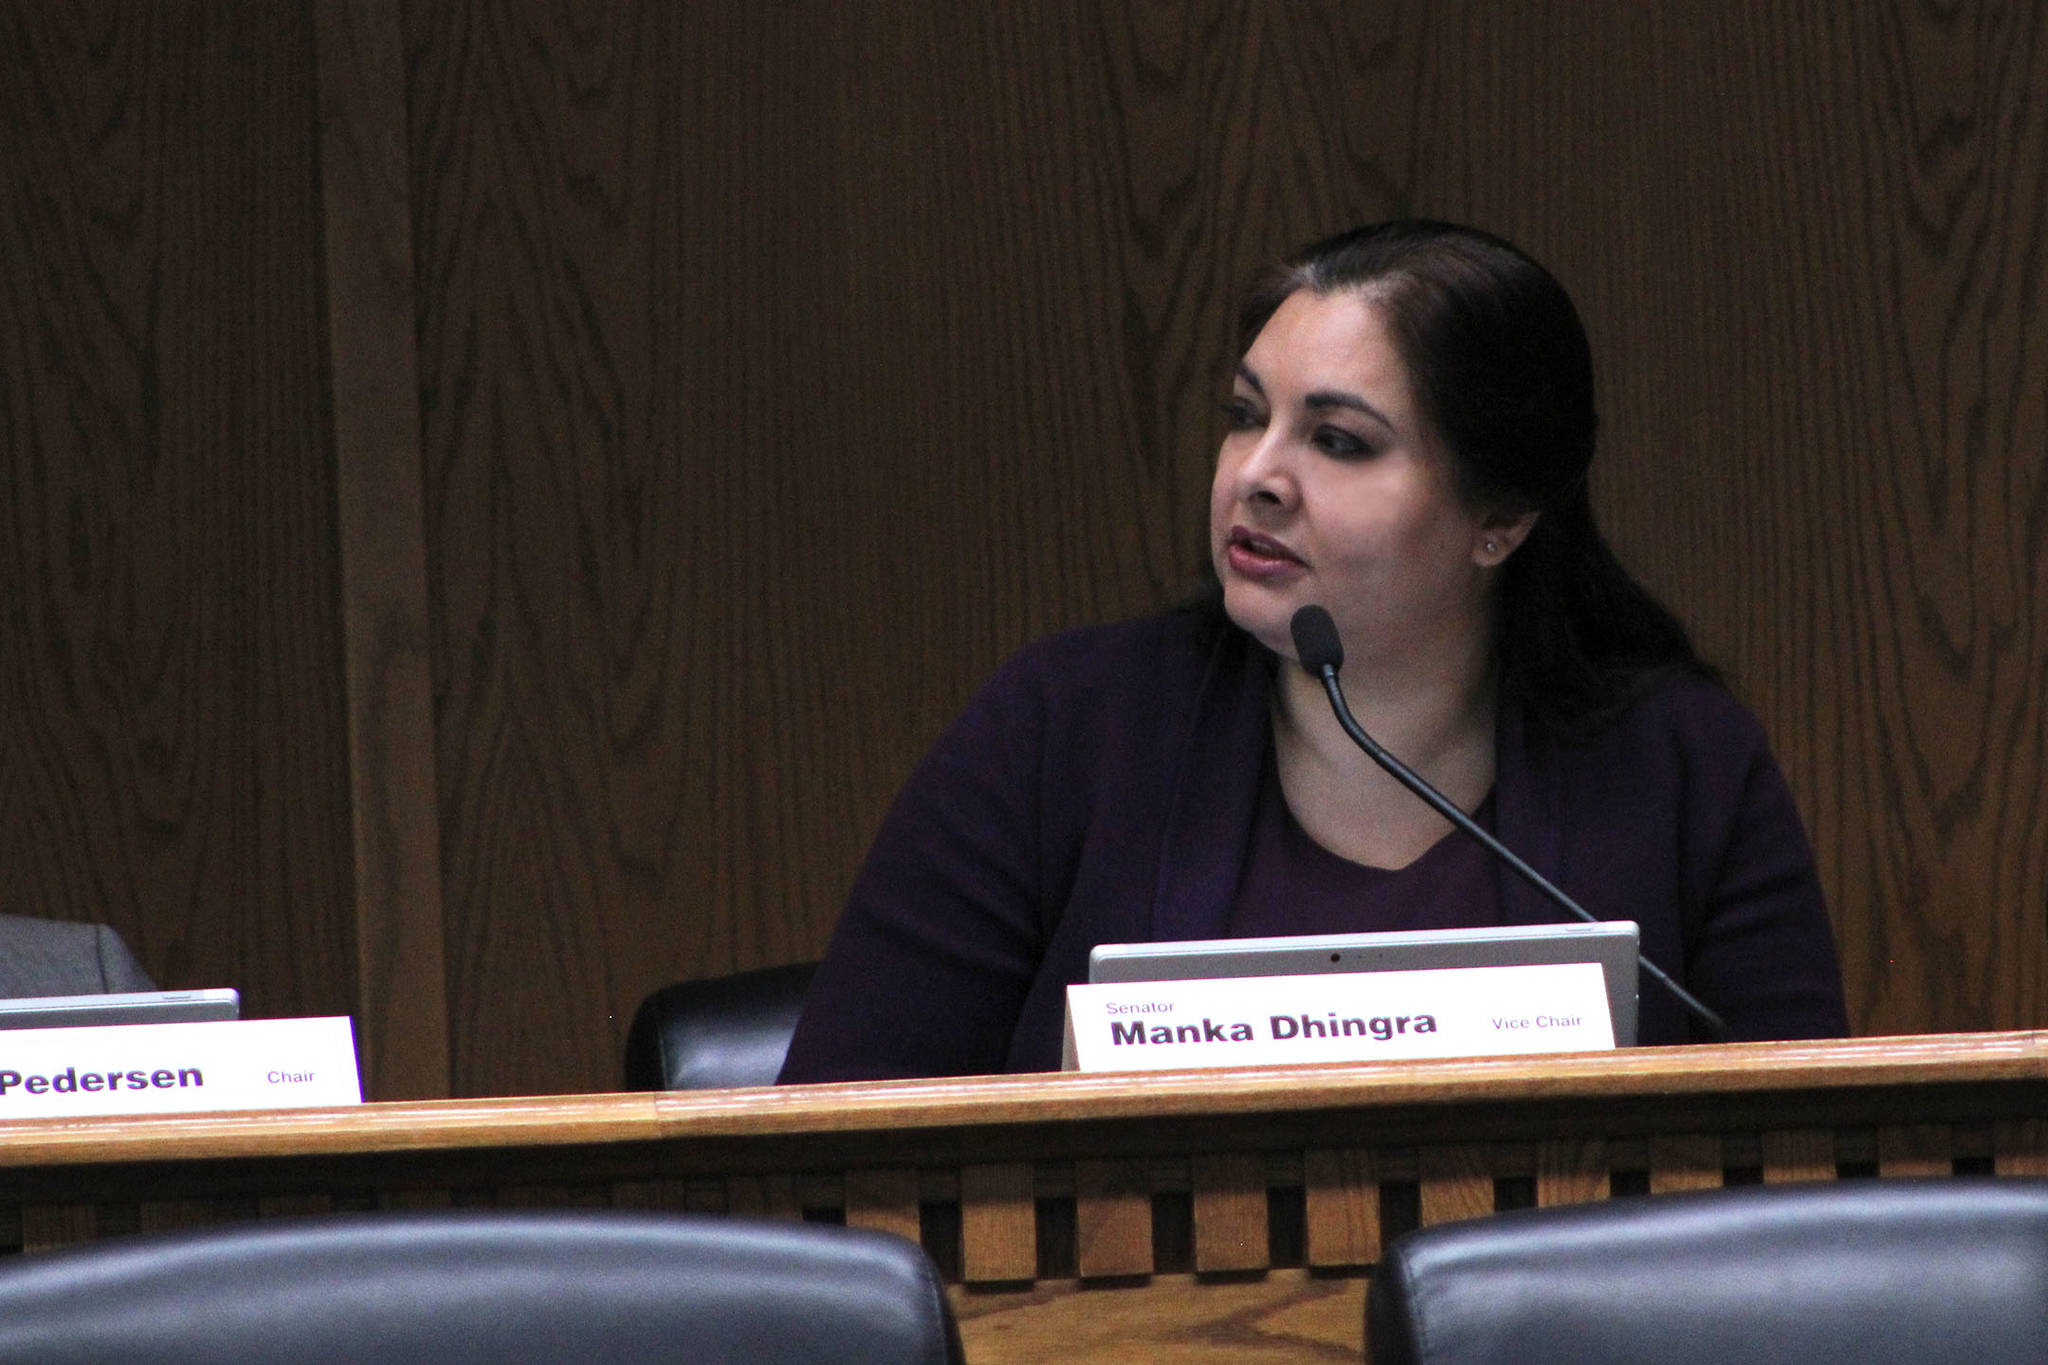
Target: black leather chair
{"x": 1917, "y": 1272}
{"x": 724, "y": 1031}
{"x": 473, "y": 1287}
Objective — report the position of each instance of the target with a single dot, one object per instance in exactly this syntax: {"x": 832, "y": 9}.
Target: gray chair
{"x": 465, "y": 1288}
{"x": 1910, "y": 1272}
{"x": 56, "y": 957}
{"x": 723, "y": 1031}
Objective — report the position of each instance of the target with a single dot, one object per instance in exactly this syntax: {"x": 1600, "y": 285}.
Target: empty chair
{"x": 464, "y": 1288}
{"x": 724, "y": 1031}
{"x": 1916, "y": 1272}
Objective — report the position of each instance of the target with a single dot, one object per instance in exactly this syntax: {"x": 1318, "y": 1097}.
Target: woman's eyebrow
{"x": 1249, "y": 376}
{"x": 1330, "y": 398}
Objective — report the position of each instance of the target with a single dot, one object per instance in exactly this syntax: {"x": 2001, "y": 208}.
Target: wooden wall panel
{"x": 763, "y": 416}
{"x": 781, "y": 368}
{"x": 1824, "y": 344}
{"x": 366, "y": 195}
{"x": 1938, "y": 492}
{"x": 784, "y": 370}
{"x": 171, "y": 735}
{"x": 574, "y": 658}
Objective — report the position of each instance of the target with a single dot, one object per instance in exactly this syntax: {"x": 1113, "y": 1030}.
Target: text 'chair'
{"x": 465, "y": 1288}
{"x": 1912, "y": 1272}
{"x": 723, "y": 1031}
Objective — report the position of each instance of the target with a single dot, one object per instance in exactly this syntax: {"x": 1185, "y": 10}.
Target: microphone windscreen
{"x": 1315, "y": 640}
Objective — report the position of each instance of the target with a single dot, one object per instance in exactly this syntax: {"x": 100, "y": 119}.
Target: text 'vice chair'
{"x": 469, "y": 1287}
{"x": 1904, "y": 1271}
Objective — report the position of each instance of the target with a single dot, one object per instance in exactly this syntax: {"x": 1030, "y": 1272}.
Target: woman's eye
{"x": 1241, "y": 413}
{"x": 1341, "y": 443}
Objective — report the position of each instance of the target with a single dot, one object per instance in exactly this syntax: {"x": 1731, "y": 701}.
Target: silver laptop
{"x": 140, "y": 1007}
{"x": 1613, "y": 944}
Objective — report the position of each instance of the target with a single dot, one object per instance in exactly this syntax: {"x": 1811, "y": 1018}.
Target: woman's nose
{"x": 1267, "y": 474}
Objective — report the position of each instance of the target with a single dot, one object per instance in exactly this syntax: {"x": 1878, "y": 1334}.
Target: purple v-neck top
{"x": 1293, "y": 885}
{"x": 1104, "y": 787}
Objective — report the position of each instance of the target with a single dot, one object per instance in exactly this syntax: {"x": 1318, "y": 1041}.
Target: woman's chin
{"x": 1264, "y": 616}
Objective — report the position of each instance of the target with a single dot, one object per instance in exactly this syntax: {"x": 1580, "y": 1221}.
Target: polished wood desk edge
{"x": 411, "y": 1125}
{"x": 880, "y": 1106}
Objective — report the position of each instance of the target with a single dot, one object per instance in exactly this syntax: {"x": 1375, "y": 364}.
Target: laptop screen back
{"x": 141, "y": 1007}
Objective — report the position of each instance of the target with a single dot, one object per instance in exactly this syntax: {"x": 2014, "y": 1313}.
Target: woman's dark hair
{"x": 1503, "y": 372}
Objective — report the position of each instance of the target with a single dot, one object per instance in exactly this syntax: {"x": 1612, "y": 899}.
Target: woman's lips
{"x": 1261, "y": 557}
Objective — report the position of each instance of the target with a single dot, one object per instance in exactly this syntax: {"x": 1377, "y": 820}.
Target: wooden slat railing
{"x": 1233, "y": 1213}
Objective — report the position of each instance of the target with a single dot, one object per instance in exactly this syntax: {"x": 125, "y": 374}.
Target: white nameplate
{"x": 178, "y": 1068}
{"x": 1338, "y": 1017}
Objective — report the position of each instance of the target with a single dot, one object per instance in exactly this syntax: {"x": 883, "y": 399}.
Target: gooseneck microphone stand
{"x": 1322, "y": 654}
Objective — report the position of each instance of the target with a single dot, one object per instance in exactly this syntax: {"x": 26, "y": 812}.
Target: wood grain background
{"x": 171, "y": 715}
{"x": 498, "y": 493}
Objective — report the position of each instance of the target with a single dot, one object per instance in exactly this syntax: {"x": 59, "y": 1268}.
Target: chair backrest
{"x": 1900, "y": 1270}
{"x": 463, "y": 1288}
{"x": 724, "y": 1031}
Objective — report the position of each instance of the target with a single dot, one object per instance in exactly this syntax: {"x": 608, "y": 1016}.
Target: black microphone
{"x": 1322, "y": 654}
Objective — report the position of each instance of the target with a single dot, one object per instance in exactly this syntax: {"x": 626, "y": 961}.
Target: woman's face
{"x": 1330, "y": 488}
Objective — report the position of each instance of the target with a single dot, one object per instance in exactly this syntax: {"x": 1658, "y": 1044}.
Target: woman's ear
{"x": 1500, "y": 536}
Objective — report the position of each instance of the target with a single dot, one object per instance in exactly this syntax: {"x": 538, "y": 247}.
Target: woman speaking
{"x": 1409, "y": 435}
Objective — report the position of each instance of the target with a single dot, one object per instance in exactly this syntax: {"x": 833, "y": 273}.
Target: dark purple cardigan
{"x": 1100, "y": 789}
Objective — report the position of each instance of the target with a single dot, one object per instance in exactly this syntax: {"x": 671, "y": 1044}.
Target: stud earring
{"x": 1489, "y": 547}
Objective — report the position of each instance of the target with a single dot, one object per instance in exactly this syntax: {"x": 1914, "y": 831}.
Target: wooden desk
{"x": 1182, "y": 1216}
